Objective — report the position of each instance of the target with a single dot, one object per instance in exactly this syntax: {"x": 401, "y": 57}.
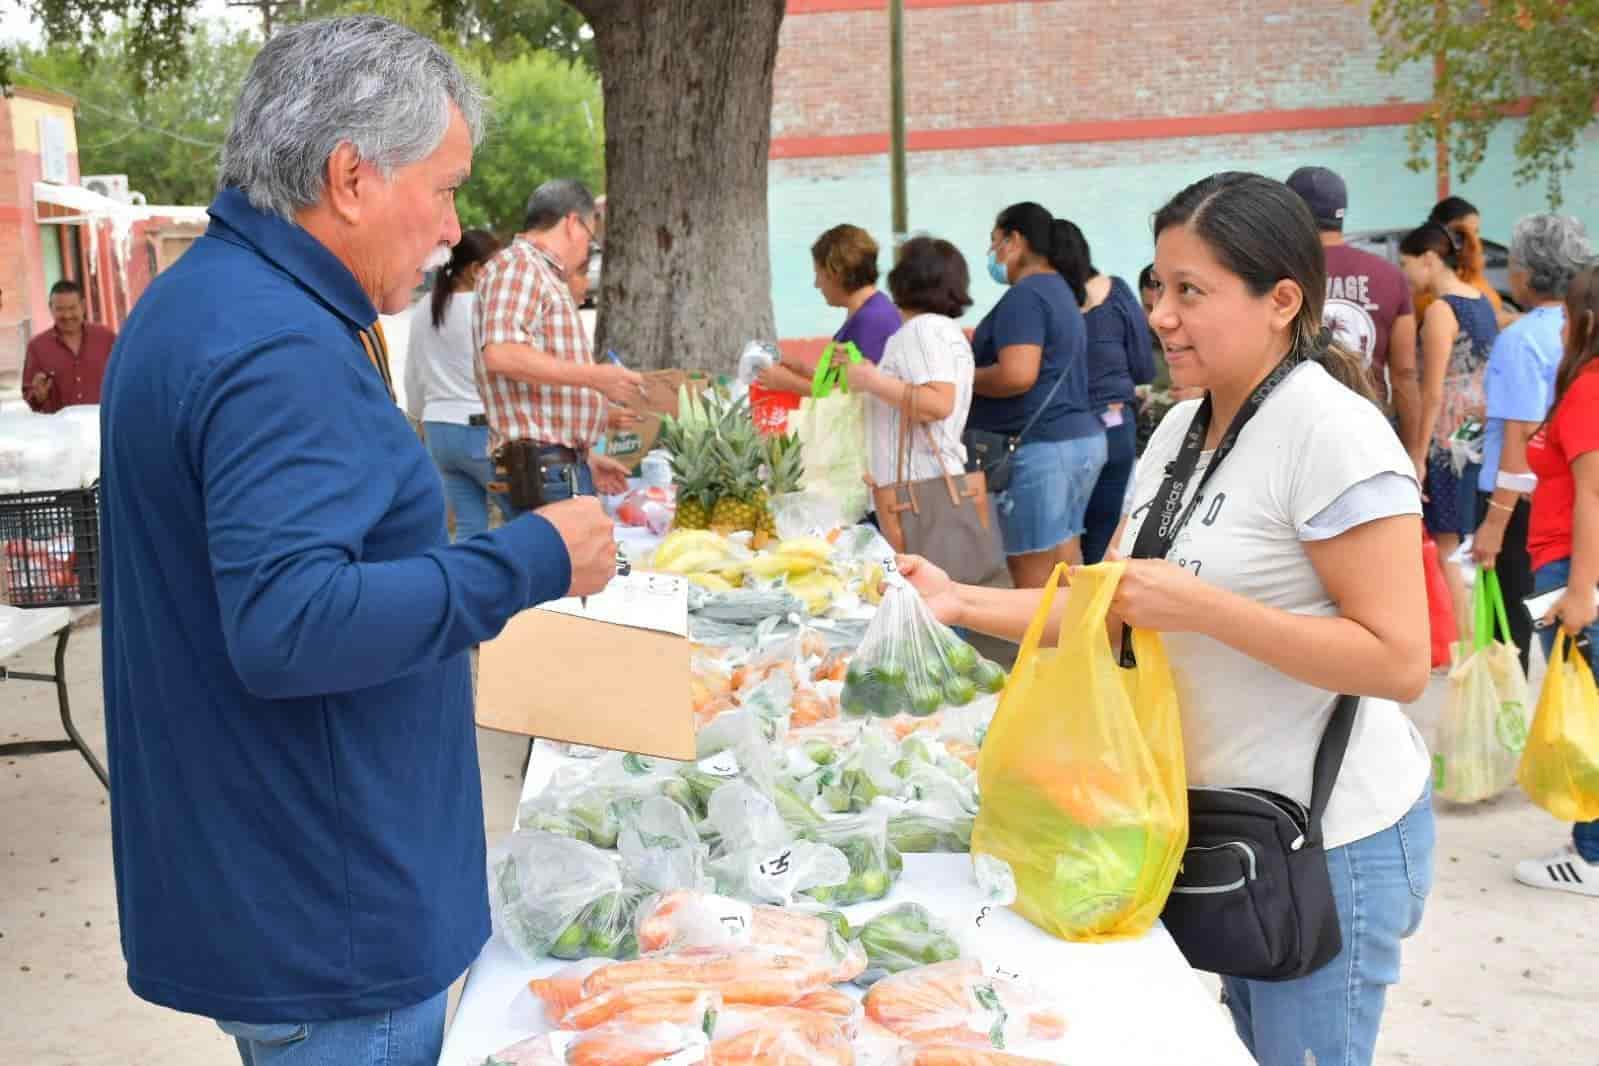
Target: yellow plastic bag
{"x": 1084, "y": 794}
{"x": 1559, "y": 771}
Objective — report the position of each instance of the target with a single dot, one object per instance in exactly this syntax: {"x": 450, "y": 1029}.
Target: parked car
{"x": 1496, "y": 257}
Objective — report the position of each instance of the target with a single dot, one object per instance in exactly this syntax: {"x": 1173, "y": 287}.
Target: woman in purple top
{"x": 845, "y": 258}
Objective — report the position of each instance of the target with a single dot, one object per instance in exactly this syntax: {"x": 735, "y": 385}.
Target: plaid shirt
{"x": 522, "y": 298}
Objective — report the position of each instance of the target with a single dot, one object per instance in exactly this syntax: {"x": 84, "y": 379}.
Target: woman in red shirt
{"x": 1563, "y": 539}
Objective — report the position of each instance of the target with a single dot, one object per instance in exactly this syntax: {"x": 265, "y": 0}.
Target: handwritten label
{"x": 722, "y": 764}
{"x": 735, "y": 918}
{"x": 778, "y": 864}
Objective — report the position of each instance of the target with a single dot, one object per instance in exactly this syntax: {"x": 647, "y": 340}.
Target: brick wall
{"x": 1032, "y": 63}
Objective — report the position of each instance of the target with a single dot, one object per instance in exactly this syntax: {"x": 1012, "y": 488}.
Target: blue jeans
{"x": 413, "y": 1036}
{"x": 558, "y": 487}
{"x": 462, "y": 455}
{"x": 1051, "y": 481}
{"x": 1380, "y": 885}
{"x": 1548, "y": 578}
{"x": 1104, "y": 512}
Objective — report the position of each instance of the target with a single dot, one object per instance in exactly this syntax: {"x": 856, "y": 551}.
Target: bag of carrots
{"x": 1081, "y": 773}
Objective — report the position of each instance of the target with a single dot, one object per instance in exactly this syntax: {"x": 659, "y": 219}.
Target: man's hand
{"x": 619, "y": 384}
{"x": 620, "y": 418}
{"x": 590, "y": 539}
{"x": 610, "y": 476}
{"x": 39, "y": 388}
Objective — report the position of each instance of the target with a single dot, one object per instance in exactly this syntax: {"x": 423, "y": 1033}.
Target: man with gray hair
{"x": 1546, "y": 252}
{"x": 543, "y": 393}
{"x": 297, "y": 821}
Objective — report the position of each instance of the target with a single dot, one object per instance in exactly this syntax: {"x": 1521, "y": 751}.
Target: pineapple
{"x": 785, "y": 468}
{"x": 694, "y": 473}
{"x": 738, "y": 460}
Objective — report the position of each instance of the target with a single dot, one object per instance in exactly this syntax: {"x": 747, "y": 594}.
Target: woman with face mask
{"x": 1031, "y": 387}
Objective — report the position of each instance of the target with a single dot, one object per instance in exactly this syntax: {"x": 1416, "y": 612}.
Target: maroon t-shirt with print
{"x": 1365, "y": 295}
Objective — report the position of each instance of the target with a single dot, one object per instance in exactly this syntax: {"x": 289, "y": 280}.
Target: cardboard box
{"x": 611, "y": 673}
{"x": 630, "y": 446}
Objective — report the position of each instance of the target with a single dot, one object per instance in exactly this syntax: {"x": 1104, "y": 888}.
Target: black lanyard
{"x": 1167, "y": 515}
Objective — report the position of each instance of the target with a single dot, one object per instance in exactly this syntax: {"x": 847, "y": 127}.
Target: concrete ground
{"x": 1498, "y": 974}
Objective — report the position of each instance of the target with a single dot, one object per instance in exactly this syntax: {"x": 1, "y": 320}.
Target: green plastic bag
{"x": 1484, "y": 725}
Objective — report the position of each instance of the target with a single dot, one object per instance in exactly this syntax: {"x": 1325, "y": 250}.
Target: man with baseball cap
{"x": 1368, "y": 301}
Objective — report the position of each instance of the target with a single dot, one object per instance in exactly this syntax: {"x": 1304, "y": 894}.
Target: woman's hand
{"x": 1488, "y": 542}
{"x": 1576, "y": 611}
{"x": 1156, "y": 595}
{"x": 938, "y": 590}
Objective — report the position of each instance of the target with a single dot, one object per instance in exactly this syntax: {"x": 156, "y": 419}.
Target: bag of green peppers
{"x": 547, "y": 890}
{"x": 910, "y": 663}
{"x": 903, "y": 938}
{"x": 874, "y": 865}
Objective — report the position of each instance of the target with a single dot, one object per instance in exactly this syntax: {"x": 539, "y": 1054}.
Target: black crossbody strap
{"x": 1053, "y": 389}
{"x": 1330, "y": 760}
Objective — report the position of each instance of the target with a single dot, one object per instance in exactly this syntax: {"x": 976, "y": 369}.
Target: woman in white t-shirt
{"x": 1297, "y": 577}
{"x": 440, "y": 390}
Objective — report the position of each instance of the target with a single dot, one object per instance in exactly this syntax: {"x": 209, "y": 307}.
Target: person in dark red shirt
{"x": 66, "y": 362}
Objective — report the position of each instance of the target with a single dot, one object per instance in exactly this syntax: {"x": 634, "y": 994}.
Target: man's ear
{"x": 349, "y": 181}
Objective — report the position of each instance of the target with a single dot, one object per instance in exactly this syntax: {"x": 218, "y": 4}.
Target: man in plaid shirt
{"x": 534, "y": 366}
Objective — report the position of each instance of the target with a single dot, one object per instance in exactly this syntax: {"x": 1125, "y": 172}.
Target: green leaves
{"x": 1499, "y": 58}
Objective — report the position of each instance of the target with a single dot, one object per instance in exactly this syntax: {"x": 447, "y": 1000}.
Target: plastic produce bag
{"x": 747, "y": 976}
{"x": 1559, "y": 770}
{"x": 1081, "y": 774}
{"x": 682, "y": 1003}
{"x": 542, "y": 886}
{"x": 759, "y": 858}
{"x": 910, "y": 663}
{"x": 874, "y": 866}
{"x": 957, "y": 1003}
{"x": 1483, "y": 728}
{"x": 781, "y": 1036}
{"x": 634, "y": 1045}
{"x": 40, "y": 453}
{"x": 661, "y": 850}
{"x": 831, "y": 426}
{"x": 903, "y": 938}
{"x": 699, "y": 921}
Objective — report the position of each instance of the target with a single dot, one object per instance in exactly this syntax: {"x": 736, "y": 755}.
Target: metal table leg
{"x": 75, "y": 741}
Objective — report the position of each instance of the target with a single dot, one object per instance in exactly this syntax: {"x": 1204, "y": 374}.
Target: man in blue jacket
{"x": 297, "y": 822}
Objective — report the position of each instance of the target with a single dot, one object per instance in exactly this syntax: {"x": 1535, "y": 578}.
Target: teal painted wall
{"x": 1111, "y": 191}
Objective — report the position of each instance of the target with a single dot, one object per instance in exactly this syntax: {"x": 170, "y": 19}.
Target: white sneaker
{"x": 1565, "y": 870}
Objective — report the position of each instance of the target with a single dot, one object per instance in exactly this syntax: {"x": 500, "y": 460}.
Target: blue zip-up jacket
{"x": 1121, "y": 351}
{"x": 297, "y": 820}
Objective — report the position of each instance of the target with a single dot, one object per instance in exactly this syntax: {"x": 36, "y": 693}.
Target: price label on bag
{"x": 722, "y": 764}
{"x": 735, "y": 917}
{"x": 778, "y": 865}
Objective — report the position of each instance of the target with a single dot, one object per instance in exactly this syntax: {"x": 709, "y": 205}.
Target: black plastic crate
{"x": 51, "y": 545}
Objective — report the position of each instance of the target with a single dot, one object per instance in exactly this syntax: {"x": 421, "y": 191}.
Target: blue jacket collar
{"x": 295, "y": 252}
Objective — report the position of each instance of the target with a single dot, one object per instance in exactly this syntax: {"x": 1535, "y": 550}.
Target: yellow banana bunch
{"x": 685, "y": 541}
{"x": 817, "y": 590}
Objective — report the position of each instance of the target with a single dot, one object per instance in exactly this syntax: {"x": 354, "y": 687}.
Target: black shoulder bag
{"x": 1253, "y": 897}
{"x": 991, "y": 452}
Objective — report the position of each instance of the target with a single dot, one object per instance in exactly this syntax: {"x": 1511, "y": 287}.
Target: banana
{"x": 768, "y": 567}
{"x": 710, "y": 582}
{"x": 697, "y": 561}
{"x": 682, "y": 541}
{"x": 813, "y": 548}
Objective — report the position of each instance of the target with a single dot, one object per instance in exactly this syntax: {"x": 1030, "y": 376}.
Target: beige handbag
{"x": 947, "y": 520}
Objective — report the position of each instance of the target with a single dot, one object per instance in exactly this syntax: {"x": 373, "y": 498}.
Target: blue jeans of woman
{"x": 1104, "y": 512}
{"x": 1548, "y": 578}
{"x": 1380, "y": 886}
{"x": 412, "y": 1036}
{"x": 462, "y": 455}
{"x": 1051, "y": 482}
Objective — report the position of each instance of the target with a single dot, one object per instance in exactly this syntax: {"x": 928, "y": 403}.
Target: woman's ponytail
{"x": 1068, "y": 254}
{"x": 475, "y": 246}
{"x": 1343, "y": 364}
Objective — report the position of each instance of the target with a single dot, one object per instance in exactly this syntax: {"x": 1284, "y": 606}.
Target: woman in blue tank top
{"x": 1457, "y": 333}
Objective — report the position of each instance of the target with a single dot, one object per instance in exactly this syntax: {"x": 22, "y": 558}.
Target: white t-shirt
{"x": 1245, "y": 725}
{"x": 928, "y": 348}
{"x": 439, "y": 382}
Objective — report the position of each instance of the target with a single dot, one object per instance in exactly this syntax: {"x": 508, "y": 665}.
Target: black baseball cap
{"x": 1325, "y": 194}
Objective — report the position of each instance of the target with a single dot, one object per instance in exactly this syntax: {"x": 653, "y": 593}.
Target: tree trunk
{"x": 687, "y": 279}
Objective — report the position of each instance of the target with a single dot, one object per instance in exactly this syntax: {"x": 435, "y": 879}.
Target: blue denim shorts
{"x": 1051, "y": 484}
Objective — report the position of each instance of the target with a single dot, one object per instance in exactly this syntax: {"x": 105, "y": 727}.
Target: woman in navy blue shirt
{"x": 1032, "y": 382}
{"x": 1121, "y": 356}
